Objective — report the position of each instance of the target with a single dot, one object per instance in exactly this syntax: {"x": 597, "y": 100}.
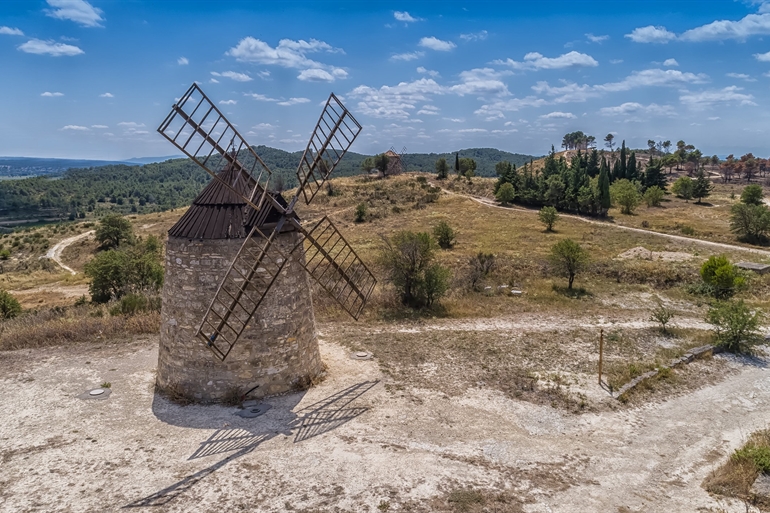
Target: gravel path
{"x": 55, "y": 252}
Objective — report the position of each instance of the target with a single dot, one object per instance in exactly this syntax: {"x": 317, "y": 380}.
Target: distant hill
{"x": 151, "y": 160}
{"x": 34, "y": 166}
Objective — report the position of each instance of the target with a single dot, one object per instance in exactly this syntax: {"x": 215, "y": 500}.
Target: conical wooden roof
{"x": 219, "y": 213}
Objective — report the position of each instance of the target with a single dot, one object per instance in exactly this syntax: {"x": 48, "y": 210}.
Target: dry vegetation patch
{"x": 736, "y": 476}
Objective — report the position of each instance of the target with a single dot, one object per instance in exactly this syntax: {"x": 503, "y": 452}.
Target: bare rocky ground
{"x": 357, "y": 442}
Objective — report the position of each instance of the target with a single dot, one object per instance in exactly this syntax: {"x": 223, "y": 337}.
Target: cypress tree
{"x": 631, "y": 171}
{"x": 623, "y": 162}
{"x": 457, "y": 163}
{"x": 616, "y": 174}
{"x": 604, "y": 187}
{"x": 592, "y": 168}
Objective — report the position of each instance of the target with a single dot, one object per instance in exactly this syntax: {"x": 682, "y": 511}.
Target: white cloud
{"x": 131, "y": 124}
{"x": 710, "y": 97}
{"x": 534, "y": 60}
{"x": 408, "y": 56}
{"x": 233, "y": 75}
{"x": 213, "y": 81}
{"x": 498, "y": 107}
{"x": 741, "y": 76}
{"x": 433, "y": 43}
{"x": 670, "y": 62}
{"x": 227, "y": 102}
{"x": 288, "y": 54}
{"x": 475, "y": 36}
{"x": 651, "y": 34}
{"x": 637, "y": 108}
{"x": 106, "y": 95}
{"x": 762, "y": 57}
{"x": 260, "y": 97}
{"x": 616, "y": 61}
{"x": 405, "y": 17}
{"x": 567, "y": 92}
{"x": 714, "y": 118}
{"x": 40, "y": 47}
{"x": 264, "y": 74}
{"x": 559, "y": 115}
{"x": 262, "y": 126}
{"x": 79, "y": 11}
{"x": 51, "y": 95}
{"x": 751, "y": 25}
{"x": 99, "y": 126}
{"x": 8, "y": 31}
{"x": 596, "y": 39}
{"x": 481, "y": 81}
{"x": 472, "y": 131}
{"x": 429, "y": 72}
{"x": 182, "y": 61}
{"x": 316, "y": 75}
{"x": 429, "y": 110}
{"x": 294, "y": 101}
{"x": 395, "y": 102}
{"x": 75, "y": 127}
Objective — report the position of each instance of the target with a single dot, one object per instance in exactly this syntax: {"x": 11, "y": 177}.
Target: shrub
{"x": 435, "y": 283}
{"x": 750, "y": 222}
{"x": 568, "y": 258}
{"x": 481, "y": 265}
{"x": 735, "y": 326}
{"x": 360, "y": 213}
{"x": 721, "y": 276}
{"x": 115, "y": 273}
{"x": 9, "y": 305}
{"x": 132, "y": 304}
{"x": 662, "y": 315}
{"x": 442, "y": 169}
{"x": 683, "y": 188}
{"x": 444, "y": 234}
{"x": 5, "y": 254}
{"x": 626, "y": 194}
{"x": 112, "y": 231}
{"x": 752, "y": 195}
{"x": 548, "y": 216}
{"x": 653, "y": 196}
{"x": 505, "y": 194}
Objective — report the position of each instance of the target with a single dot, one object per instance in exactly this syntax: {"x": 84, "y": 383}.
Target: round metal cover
{"x": 253, "y": 411}
{"x": 361, "y": 355}
{"x": 96, "y": 391}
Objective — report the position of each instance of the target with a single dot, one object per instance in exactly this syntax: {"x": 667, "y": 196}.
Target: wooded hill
{"x": 176, "y": 182}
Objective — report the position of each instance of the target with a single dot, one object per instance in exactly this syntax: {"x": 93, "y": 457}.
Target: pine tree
{"x": 592, "y": 169}
{"x": 604, "y": 188}
{"x": 702, "y": 186}
{"x": 653, "y": 175}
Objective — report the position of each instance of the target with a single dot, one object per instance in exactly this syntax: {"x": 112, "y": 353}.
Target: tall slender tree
{"x": 604, "y": 188}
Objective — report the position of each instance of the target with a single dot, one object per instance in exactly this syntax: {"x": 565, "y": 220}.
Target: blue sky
{"x": 93, "y": 79}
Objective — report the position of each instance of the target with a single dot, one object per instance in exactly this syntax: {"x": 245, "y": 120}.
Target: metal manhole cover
{"x": 253, "y": 410}
{"x": 96, "y": 393}
{"x": 361, "y": 355}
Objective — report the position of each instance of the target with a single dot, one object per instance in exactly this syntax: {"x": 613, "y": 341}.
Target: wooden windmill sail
{"x": 197, "y": 127}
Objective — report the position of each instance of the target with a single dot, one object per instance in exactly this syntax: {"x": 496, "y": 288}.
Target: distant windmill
{"x": 237, "y": 262}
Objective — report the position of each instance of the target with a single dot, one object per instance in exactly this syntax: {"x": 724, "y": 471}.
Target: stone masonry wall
{"x": 278, "y": 350}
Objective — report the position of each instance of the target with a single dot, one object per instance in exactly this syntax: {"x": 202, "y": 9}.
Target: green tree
{"x": 605, "y": 200}
{"x": 752, "y": 195}
{"x": 548, "y": 216}
{"x": 662, "y": 315}
{"x": 683, "y": 188}
{"x": 108, "y": 272}
{"x": 445, "y": 235}
{"x": 653, "y": 196}
{"x": 702, "y": 186}
{"x": 406, "y": 257}
{"x": 360, "y": 213}
{"x": 568, "y": 258}
{"x": 505, "y": 194}
{"x": 9, "y": 305}
{"x": 381, "y": 163}
{"x": 626, "y": 194}
{"x": 653, "y": 174}
{"x": 721, "y": 276}
{"x": 467, "y": 167}
{"x": 750, "y": 222}
{"x": 442, "y": 169}
{"x": 112, "y": 231}
{"x": 736, "y": 327}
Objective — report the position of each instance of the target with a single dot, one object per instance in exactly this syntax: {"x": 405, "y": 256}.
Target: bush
{"x": 5, "y": 254}
{"x": 481, "y": 265}
{"x": 445, "y": 235}
{"x": 750, "y": 222}
{"x": 662, "y": 315}
{"x": 735, "y": 326}
{"x": 752, "y": 195}
{"x": 626, "y": 194}
{"x": 115, "y": 273}
{"x": 568, "y": 258}
{"x": 653, "y": 196}
{"x": 360, "y": 213}
{"x": 722, "y": 277}
{"x": 683, "y": 188}
{"x": 505, "y": 194}
{"x": 548, "y": 216}
{"x": 9, "y": 305}
{"x": 132, "y": 304}
{"x": 408, "y": 259}
{"x": 112, "y": 231}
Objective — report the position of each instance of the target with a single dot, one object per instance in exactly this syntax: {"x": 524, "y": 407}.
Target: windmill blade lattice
{"x": 250, "y": 276}
{"x": 199, "y": 129}
{"x": 332, "y": 137}
{"x": 333, "y": 263}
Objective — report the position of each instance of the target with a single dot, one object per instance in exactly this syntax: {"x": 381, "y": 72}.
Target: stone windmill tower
{"x": 238, "y": 261}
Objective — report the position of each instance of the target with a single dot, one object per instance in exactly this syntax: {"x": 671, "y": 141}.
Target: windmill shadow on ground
{"x": 311, "y": 421}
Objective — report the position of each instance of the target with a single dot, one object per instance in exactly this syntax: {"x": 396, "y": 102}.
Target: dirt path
{"x": 55, "y": 252}
{"x": 350, "y": 444}
{"x": 490, "y": 203}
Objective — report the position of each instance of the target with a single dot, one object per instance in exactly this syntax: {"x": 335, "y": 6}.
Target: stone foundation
{"x": 278, "y": 350}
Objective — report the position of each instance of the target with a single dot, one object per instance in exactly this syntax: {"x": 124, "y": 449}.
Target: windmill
{"x": 200, "y": 130}
{"x": 395, "y": 161}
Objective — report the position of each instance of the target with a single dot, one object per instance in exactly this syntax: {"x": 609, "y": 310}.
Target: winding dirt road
{"x": 55, "y": 252}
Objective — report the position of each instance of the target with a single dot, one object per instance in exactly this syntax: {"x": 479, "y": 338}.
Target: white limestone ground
{"x": 350, "y": 443}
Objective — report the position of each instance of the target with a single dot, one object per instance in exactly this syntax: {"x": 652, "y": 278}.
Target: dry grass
{"x": 72, "y": 325}
{"x": 735, "y": 477}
